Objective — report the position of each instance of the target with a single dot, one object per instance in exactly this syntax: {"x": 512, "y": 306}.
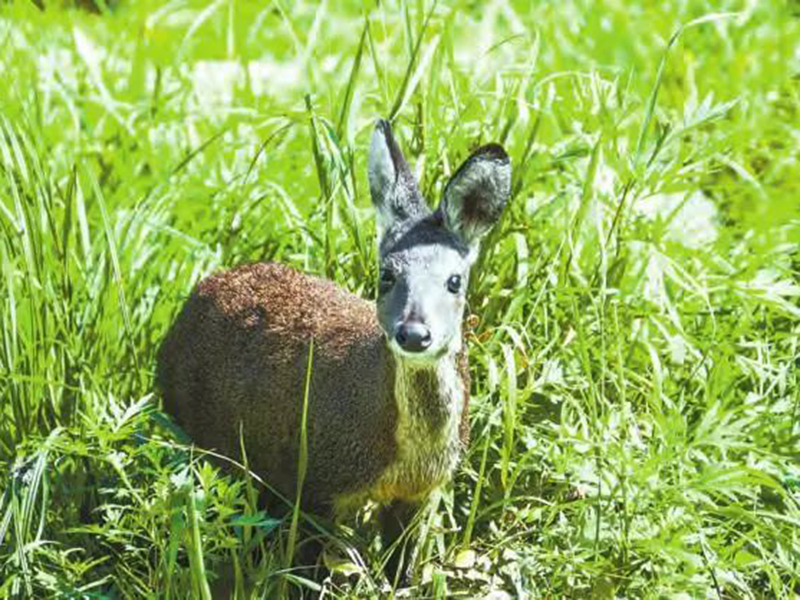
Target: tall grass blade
{"x": 302, "y": 462}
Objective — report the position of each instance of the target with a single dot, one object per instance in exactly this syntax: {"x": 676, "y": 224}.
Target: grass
{"x": 634, "y": 347}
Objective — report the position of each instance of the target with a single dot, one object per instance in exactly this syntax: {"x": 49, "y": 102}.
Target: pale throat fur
{"x": 430, "y": 432}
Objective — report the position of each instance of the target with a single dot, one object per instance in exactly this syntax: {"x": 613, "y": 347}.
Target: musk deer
{"x": 387, "y": 406}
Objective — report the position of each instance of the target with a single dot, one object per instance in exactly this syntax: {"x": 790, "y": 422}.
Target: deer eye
{"x": 386, "y": 281}
{"x": 454, "y": 284}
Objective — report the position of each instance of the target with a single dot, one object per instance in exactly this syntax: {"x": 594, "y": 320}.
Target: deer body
{"x": 391, "y": 434}
{"x": 387, "y": 404}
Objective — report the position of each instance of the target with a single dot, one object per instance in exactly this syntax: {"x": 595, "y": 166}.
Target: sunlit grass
{"x": 634, "y": 343}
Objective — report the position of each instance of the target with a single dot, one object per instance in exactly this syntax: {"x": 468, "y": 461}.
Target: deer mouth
{"x": 431, "y": 354}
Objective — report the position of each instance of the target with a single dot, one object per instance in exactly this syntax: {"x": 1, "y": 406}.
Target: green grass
{"x": 635, "y": 383}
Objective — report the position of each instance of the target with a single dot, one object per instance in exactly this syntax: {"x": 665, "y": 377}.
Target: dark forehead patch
{"x": 426, "y": 231}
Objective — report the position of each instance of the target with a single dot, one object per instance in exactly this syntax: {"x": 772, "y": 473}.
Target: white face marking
{"x": 419, "y": 293}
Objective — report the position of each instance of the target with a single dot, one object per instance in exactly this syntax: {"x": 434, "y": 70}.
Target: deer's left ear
{"x": 476, "y": 195}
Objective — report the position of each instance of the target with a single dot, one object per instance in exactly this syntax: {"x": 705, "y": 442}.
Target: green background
{"x": 634, "y": 359}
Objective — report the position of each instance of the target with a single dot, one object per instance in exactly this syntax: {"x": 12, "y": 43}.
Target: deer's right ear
{"x": 395, "y": 193}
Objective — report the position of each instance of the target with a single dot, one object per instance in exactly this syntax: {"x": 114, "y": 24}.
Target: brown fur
{"x": 237, "y": 354}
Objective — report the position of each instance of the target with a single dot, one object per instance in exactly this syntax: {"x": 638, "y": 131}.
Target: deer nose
{"x": 413, "y": 336}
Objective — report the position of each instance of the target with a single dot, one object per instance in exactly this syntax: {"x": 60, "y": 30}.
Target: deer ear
{"x": 395, "y": 193}
{"x": 476, "y": 195}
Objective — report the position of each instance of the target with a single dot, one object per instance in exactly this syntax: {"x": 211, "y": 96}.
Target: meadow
{"x": 633, "y": 320}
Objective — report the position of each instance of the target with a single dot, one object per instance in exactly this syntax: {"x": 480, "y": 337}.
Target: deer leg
{"x": 395, "y": 519}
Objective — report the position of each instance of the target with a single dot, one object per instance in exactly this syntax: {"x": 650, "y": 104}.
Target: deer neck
{"x": 429, "y": 397}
